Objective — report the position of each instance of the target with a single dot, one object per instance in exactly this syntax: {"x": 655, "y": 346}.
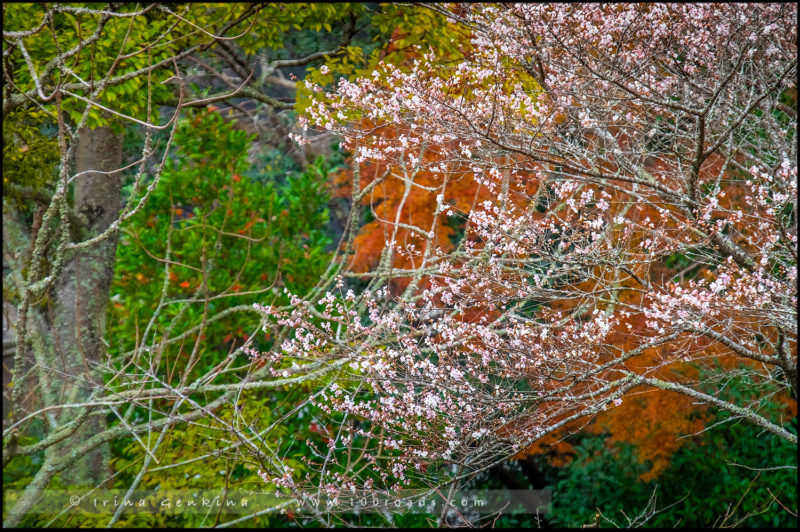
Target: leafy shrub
{"x": 732, "y": 474}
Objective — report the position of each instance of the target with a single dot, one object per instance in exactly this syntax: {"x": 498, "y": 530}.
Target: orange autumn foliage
{"x": 655, "y": 420}
{"x": 391, "y": 193}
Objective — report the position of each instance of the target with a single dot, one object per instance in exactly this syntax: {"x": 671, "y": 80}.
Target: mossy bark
{"x": 79, "y": 308}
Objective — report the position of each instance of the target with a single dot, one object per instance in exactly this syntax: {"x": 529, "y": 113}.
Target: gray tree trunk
{"x": 81, "y": 297}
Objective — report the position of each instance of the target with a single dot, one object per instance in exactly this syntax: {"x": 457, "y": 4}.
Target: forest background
{"x": 133, "y": 254}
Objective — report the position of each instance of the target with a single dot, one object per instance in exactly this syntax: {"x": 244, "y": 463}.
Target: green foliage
{"x": 249, "y": 228}
{"x": 276, "y": 23}
{"x": 395, "y": 32}
{"x": 17, "y": 474}
{"x": 247, "y": 234}
{"x": 30, "y": 155}
{"x": 210, "y": 463}
{"x": 124, "y": 46}
{"x": 598, "y": 477}
{"x": 732, "y": 474}
{"x": 416, "y": 25}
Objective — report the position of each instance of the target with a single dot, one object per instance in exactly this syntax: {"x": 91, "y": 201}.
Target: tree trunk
{"x": 81, "y": 297}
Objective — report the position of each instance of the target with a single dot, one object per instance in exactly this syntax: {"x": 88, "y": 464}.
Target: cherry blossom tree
{"x": 640, "y": 233}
